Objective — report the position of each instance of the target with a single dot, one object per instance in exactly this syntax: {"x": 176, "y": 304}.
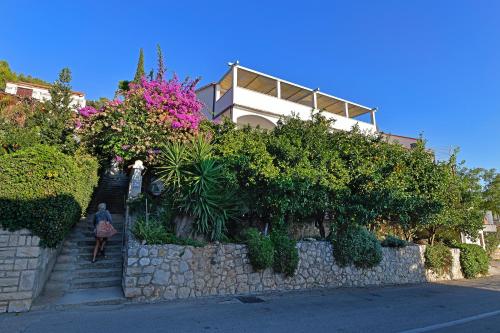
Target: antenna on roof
{"x": 236, "y": 63}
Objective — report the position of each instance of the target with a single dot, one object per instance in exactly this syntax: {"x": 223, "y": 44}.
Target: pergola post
{"x": 315, "y": 100}
{"x": 278, "y": 88}
{"x": 217, "y": 92}
{"x": 346, "y": 110}
{"x": 235, "y": 79}
{"x": 372, "y": 117}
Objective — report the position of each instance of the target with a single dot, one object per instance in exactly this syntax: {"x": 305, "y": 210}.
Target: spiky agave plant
{"x": 196, "y": 180}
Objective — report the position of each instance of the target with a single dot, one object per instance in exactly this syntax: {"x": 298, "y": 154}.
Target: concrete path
{"x": 459, "y": 306}
{"x": 494, "y": 267}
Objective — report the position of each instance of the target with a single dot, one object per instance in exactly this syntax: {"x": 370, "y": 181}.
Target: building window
{"x": 24, "y": 92}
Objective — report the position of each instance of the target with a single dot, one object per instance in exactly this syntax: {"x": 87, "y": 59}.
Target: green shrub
{"x": 286, "y": 255}
{"x": 492, "y": 240}
{"x": 151, "y": 231}
{"x": 438, "y": 258}
{"x": 260, "y": 249}
{"x": 393, "y": 241}
{"x": 473, "y": 260}
{"x": 154, "y": 232}
{"x": 356, "y": 245}
{"x": 45, "y": 191}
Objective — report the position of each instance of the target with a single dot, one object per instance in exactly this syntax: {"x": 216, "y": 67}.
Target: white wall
{"x": 206, "y": 96}
{"x": 43, "y": 94}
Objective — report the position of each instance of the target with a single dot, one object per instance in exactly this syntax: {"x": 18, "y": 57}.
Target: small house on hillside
{"x": 41, "y": 92}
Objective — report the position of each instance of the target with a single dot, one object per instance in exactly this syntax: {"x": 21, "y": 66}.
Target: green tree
{"x": 123, "y": 86}
{"x": 160, "y": 75}
{"x": 54, "y": 121}
{"x": 97, "y": 104}
{"x": 457, "y": 193}
{"x": 309, "y": 171}
{"x": 7, "y": 75}
{"x": 491, "y": 191}
{"x": 139, "y": 72}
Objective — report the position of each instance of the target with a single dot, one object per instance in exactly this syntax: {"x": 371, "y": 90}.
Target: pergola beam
{"x": 251, "y": 81}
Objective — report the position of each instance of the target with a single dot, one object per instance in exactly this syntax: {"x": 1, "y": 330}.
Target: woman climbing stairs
{"x": 74, "y": 277}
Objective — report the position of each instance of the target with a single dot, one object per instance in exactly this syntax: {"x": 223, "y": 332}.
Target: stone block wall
{"x": 174, "y": 271}
{"x": 24, "y": 268}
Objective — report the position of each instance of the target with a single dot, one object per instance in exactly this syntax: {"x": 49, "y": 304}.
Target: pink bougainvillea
{"x": 87, "y": 111}
{"x": 151, "y": 113}
{"x": 174, "y": 102}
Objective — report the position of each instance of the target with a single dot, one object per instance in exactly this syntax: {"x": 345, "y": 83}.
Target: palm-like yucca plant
{"x": 172, "y": 165}
{"x": 200, "y": 149}
{"x": 195, "y": 180}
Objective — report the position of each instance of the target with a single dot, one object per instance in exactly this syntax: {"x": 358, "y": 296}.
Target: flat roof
{"x": 295, "y": 92}
{"x": 38, "y": 85}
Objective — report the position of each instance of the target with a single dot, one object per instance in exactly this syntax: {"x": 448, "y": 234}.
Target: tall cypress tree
{"x": 139, "y": 73}
{"x": 161, "y": 65}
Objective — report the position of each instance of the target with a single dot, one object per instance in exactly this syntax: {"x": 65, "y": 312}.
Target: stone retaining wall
{"x": 173, "y": 271}
{"x": 24, "y": 268}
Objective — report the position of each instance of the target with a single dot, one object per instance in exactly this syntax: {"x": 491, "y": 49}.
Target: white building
{"x": 249, "y": 97}
{"x": 41, "y": 92}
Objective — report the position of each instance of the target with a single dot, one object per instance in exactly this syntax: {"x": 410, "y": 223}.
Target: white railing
{"x": 281, "y": 107}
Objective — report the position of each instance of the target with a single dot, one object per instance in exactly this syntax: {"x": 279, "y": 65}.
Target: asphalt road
{"x": 459, "y": 306}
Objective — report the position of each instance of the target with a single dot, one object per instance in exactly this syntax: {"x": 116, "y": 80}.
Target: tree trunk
{"x": 183, "y": 226}
{"x": 320, "y": 219}
{"x": 432, "y": 235}
{"x": 408, "y": 234}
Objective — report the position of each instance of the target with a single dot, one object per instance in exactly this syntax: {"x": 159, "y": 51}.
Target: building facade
{"x": 249, "y": 97}
{"x": 41, "y": 92}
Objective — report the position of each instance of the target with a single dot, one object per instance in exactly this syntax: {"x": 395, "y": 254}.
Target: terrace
{"x": 249, "y": 97}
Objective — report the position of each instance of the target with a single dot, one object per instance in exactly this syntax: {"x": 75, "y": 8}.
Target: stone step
{"x": 64, "y": 267}
{"x": 102, "y": 282}
{"x": 90, "y": 241}
{"x": 65, "y": 258}
{"x": 56, "y": 286}
{"x": 116, "y": 249}
{"x": 108, "y": 263}
{"x": 90, "y": 227}
{"x": 79, "y": 230}
{"x": 89, "y": 234}
{"x": 98, "y": 272}
{"x": 61, "y": 276}
{"x": 87, "y": 256}
{"x": 86, "y": 252}
{"x": 110, "y": 242}
{"x": 74, "y": 244}
{"x": 91, "y": 238}
{"x": 84, "y": 258}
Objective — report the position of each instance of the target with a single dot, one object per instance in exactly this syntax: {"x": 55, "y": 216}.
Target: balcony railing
{"x": 276, "y": 107}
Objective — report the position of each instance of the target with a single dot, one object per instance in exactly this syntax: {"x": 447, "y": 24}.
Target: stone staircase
{"x": 112, "y": 190}
{"x": 75, "y": 271}
{"x": 74, "y": 278}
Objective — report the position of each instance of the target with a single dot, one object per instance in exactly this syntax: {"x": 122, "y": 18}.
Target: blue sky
{"x": 431, "y": 67}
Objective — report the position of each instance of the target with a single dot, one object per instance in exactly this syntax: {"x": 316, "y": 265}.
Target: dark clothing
{"x": 102, "y": 215}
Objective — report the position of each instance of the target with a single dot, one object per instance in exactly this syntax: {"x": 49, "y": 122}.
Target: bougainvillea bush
{"x": 151, "y": 113}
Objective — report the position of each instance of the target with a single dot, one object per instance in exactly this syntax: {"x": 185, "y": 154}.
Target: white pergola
{"x": 241, "y": 77}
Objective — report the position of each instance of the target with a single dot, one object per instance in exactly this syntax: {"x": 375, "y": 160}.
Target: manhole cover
{"x": 250, "y": 299}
